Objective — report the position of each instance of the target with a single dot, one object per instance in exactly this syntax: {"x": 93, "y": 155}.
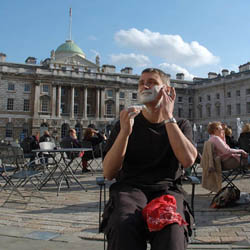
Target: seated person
{"x": 46, "y": 137}
{"x": 231, "y": 142}
{"x": 144, "y": 153}
{"x": 244, "y": 139}
{"x": 230, "y": 158}
{"x": 71, "y": 141}
{"x": 95, "y": 138}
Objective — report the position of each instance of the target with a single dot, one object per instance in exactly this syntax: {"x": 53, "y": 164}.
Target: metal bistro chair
{"x": 7, "y": 165}
{"x": 101, "y": 182}
{"x": 24, "y": 175}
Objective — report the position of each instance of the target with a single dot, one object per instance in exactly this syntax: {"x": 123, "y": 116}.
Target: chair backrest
{"x": 7, "y": 156}
{"x": 47, "y": 145}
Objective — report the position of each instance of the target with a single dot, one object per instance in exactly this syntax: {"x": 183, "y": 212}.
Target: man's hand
{"x": 127, "y": 120}
{"x": 168, "y": 96}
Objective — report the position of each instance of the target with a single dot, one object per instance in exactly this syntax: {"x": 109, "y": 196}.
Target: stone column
{"x": 85, "y": 101}
{"x": 53, "y": 101}
{"x": 37, "y": 98}
{"x": 72, "y": 103}
{"x": 97, "y": 104}
{"x": 59, "y": 93}
{"x": 102, "y": 102}
{"x": 117, "y": 103}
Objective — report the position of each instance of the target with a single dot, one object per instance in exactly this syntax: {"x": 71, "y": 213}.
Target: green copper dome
{"x": 69, "y": 47}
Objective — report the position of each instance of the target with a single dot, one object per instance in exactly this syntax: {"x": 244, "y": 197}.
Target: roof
{"x": 69, "y": 47}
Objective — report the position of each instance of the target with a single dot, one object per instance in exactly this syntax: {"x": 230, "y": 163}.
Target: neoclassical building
{"x": 67, "y": 90}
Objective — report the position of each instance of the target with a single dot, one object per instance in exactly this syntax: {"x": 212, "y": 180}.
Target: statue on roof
{"x": 52, "y": 54}
{"x": 97, "y": 60}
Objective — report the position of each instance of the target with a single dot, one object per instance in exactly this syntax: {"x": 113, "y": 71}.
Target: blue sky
{"x": 190, "y": 36}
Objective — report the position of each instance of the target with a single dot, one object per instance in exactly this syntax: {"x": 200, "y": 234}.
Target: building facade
{"x": 68, "y": 91}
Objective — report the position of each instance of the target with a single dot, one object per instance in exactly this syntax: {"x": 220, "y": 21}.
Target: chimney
{"x": 180, "y": 76}
{"x": 127, "y": 70}
{"x": 212, "y": 75}
{"x": 108, "y": 68}
{"x": 2, "y": 57}
{"x": 225, "y": 72}
{"x": 30, "y": 60}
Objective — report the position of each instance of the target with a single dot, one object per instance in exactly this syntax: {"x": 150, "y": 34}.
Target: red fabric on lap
{"x": 161, "y": 212}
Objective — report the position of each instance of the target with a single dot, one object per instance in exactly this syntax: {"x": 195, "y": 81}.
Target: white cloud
{"x": 170, "y": 47}
{"x": 173, "y": 69}
{"x": 130, "y": 60}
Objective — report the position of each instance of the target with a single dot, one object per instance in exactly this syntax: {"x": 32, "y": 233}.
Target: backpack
{"x": 226, "y": 197}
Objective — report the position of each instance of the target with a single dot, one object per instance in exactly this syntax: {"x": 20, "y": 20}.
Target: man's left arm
{"x": 184, "y": 150}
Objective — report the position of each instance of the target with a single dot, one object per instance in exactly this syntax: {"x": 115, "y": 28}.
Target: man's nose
{"x": 147, "y": 85}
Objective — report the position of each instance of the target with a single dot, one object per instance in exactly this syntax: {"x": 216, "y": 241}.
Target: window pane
{"x": 27, "y": 87}
{"x": 26, "y": 105}
{"x": 11, "y": 86}
{"x": 10, "y": 104}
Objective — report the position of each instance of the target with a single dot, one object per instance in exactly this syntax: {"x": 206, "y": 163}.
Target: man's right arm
{"x": 113, "y": 160}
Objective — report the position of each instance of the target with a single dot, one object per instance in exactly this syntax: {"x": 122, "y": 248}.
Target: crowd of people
{"x": 92, "y": 135}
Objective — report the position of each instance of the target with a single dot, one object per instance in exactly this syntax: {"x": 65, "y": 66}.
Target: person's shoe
{"x": 85, "y": 170}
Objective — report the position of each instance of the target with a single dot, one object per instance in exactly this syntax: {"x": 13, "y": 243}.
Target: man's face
{"x": 149, "y": 86}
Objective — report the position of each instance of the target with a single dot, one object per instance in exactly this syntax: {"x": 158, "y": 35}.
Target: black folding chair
{"x": 26, "y": 173}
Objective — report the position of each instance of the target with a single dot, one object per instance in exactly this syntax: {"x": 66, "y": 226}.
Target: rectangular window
{"x": 217, "y": 110}
{"x": 247, "y": 91}
{"x": 238, "y": 111}
{"x": 237, "y": 92}
{"x": 10, "y": 104}
{"x": 229, "y": 109}
{"x": 180, "y": 99}
{"x": 63, "y": 91}
{"x": 76, "y": 110}
{"x": 190, "y": 113}
{"x": 134, "y": 96}
{"x": 248, "y": 107}
{"x": 45, "y": 105}
{"x": 208, "y": 97}
{"x": 200, "y": 99}
{"x": 76, "y": 93}
{"x": 27, "y": 87}
{"x": 208, "y": 111}
{"x": 45, "y": 89}
{"x": 122, "y": 95}
{"x": 217, "y": 96}
{"x": 26, "y": 105}
{"x": 200, "y": 112}
{"x": 11, "y": 86}
{"x": 190, "y": 99}
{"x": 229, "y": 94}
{"x": 63, "y": 110}
{"x": 110, "y": 93}
{"x": 109, "y": 109}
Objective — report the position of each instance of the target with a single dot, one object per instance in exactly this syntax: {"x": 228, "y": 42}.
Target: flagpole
{"x": 70, "y": 23}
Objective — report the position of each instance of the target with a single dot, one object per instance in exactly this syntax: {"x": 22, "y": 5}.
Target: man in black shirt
{"x": 144, "y": 153}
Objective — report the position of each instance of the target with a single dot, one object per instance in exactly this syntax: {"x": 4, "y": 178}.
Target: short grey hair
{"x": 164, "y": 77}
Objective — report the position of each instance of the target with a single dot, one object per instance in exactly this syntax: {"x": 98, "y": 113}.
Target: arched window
{"x": 64, "y": 130}
{"x": 9, "y": 130}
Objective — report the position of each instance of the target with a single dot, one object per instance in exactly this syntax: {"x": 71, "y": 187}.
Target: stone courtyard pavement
{"x": 73, "y": 216}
